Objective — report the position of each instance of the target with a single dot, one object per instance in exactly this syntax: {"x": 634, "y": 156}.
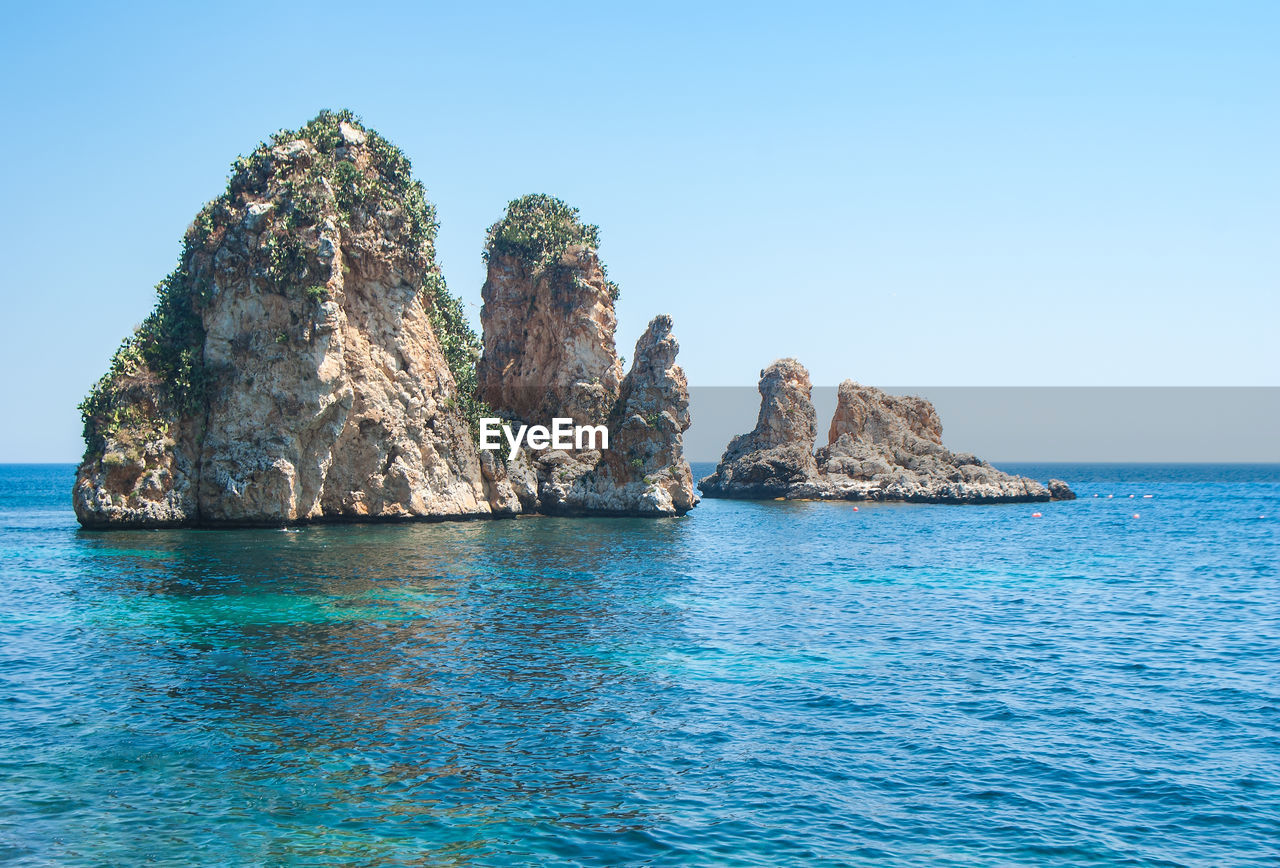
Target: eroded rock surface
{"x": 290, "y": 371}
{"x": 778, "y": 453}
{"x": 549, "y": 351}
{"x": 645, "y": 471}
{"x": 549, "y": 338}
{"x": 880, "y": 447}
{"x": 305, "y": 362}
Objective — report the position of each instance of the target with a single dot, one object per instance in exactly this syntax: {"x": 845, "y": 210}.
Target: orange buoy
{"x": 1135, "y": 515}
{"x": 855, "y": 509}
{"x": 1036, "y": 515}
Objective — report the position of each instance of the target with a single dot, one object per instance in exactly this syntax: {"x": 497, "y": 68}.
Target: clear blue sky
{"x": 944, "y": 193}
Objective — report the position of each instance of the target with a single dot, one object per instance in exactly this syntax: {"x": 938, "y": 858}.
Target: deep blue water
{"x": 765, "y": 684}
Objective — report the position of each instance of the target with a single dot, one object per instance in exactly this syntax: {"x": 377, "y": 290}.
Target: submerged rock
{"x": 1059, "y": 490}
{"x": 880, "y": 447}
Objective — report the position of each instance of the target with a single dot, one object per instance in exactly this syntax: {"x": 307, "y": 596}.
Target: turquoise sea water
{"x": 763, "y": 684}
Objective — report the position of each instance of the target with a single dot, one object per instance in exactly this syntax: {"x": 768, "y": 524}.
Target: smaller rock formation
{"x": 549, "y": 352}
{"x": 548, "y": 336}
{"x": 1059, "y": 490}
{"x": 778, "y": 453}
{"x": 879, "y": 447}
{"x": 644, "y": 470}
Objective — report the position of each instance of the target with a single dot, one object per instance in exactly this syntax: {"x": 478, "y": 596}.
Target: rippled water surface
{"x": 756, "y": 684}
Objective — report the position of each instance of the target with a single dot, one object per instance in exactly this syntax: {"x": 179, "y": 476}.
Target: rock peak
{"x": 880, "y": 447}
{"x": 549, "y": 351}
{"x": 864, "y": 412}
{"x": 778, "y": 453}
{"x": 291, "y": 370}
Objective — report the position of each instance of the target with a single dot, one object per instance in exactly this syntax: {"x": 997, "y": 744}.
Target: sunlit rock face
{"x": 778, "y": 453}
{"x": 880, "y": 447}
{"x": 291, "y": 371}
{"x": 548, "y": 323}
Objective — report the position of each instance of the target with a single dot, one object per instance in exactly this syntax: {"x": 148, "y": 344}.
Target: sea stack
{"x": 879, "y": 447}
{"x": 777, "y": 454}
{"x": 549, "y": 351}
{"x": 305, "y": 362}
{"x": 291, "y": 370}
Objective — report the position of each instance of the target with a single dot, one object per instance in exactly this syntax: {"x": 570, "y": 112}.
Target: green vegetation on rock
{"x": 538, "y": 229}
{"x": 166, "y": 350}
{"x": 459, "y": 343}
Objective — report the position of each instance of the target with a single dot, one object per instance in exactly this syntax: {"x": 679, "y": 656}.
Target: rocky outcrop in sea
{"x": 778, "y": 453}
{"x": 879, "y": 447}
{"x": 305, "y": 362}
{"x": 548, "y": 322}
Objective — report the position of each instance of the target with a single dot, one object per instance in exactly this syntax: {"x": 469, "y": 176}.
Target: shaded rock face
{"x": 880, "y": 447}
{"x": 549, "y": 352}
{"x": 145, "y": 472}
{"x": 323, "y": 392}
{"x": 778, "y": 453}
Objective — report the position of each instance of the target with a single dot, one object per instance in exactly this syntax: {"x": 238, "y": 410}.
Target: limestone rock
{"x": 880, "y": 447}
{"x": 778, "y": 453}
{"x": 549, "y": 339}
{"x": 644, "y": 471}
{"x": 1059, "y": 490}
{"x": 139, "y": 473}
{"x": 291, "y": 371}
{"x": 549, "y": 352}
{"x": 870, "y": 414}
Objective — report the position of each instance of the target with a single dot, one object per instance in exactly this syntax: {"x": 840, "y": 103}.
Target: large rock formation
{"x": 305, "y": 362}
{"x": 879, "y": 447}
{"x": 291, "y": 371}
{"x": 548, "y": 322}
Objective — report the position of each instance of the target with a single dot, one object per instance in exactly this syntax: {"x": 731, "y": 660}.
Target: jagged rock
{"x": 880, "y": 447}
{"x": 291, "y": 371}
{"x": 549, "y": 352}
{"x": 870, "y": 414}
{"x": 778, "y": 453}
{"x": 1059, "y": 490}
{"x": 885, "y": 447}
{"x": 644, "y": 471}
